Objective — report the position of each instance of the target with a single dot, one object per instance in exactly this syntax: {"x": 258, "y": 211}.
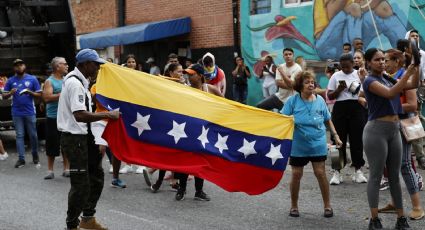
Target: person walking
{"x": 381, "y": 136}
{"x": 77, "y": 141}
{"x": 51, "y": 93}
{"x": 24, "y": 88}
{"x": 309, "y": 143}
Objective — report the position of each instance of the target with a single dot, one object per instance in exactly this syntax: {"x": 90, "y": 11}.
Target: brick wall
{"x": 212, "y": 20}
{"x": 94, "y": 15}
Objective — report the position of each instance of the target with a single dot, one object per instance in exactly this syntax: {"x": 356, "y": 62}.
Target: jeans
{"x": 22, "y": 124}
{"x": 240, "y": 93}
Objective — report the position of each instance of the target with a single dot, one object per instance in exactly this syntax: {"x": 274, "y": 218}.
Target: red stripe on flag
{"x": 231, "y": 176}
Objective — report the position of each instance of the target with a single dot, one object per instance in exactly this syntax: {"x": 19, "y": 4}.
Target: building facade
{"x": 211, "y": 29}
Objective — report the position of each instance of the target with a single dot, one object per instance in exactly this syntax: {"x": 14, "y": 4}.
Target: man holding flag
{"x": 77, "y": 141}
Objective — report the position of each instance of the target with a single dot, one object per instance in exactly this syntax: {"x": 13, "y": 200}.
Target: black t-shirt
{"x": 241, "y": 77}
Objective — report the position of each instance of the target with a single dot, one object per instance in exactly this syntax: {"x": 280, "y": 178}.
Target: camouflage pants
{"x": 87, "y": 176}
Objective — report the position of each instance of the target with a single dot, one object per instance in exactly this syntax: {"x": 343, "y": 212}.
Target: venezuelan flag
{"x": 171, "y": 126}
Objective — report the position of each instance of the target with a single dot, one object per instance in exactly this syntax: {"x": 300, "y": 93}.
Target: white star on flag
{"x": 221, "y": 143}
{"x": 203, "y": 137}
{"x": 141, "y": 123}
{"x": 274, "y": 153}
{"x": 110, "y": 108}
{"x": 247, "y": 148}
{"x": 177, "y": 131}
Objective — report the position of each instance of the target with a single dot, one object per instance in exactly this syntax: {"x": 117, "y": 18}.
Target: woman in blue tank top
{"x": 381, "y": 135}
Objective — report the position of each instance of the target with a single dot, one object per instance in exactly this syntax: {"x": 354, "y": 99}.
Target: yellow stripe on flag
{"x": 124, "y": 84}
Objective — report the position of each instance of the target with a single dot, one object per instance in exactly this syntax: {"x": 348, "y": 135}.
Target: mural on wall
{"x": 317, "y": 29}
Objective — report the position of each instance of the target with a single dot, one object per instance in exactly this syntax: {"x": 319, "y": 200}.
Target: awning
{"x": 135, "y": 33}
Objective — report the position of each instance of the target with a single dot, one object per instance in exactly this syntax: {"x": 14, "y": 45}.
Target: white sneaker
{"x": 3, "y": 157}
{"x": 335, "y": 180}
{"x": 126, "y": 169}
{"x": 139, "y": 169}
{"x": 359, "y": 177}
{"x": 111, "y": 169}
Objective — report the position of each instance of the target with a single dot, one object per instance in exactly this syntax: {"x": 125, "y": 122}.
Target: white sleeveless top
{"x": 269, "y": 79}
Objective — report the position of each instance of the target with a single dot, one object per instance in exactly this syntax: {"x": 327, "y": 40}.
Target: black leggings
{"x": 348, "y": 118}
{"x": 199, "y": 182}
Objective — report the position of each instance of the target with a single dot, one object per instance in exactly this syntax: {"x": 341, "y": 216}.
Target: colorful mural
{"x": 317, "y": 29}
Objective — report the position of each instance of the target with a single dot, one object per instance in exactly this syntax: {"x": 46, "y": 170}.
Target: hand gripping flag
{"x": 170, "y": 126}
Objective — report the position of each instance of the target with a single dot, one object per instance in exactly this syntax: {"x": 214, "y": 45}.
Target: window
{"x": 296, "y": 3}
{"x": 261, "y": 6}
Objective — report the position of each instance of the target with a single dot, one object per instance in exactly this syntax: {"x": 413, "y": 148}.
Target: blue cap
{"x": 88, "y": 55}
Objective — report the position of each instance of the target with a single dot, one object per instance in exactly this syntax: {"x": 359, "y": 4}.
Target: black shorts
{"x": 52, "y": 138}
{"x": 303, "y": 161}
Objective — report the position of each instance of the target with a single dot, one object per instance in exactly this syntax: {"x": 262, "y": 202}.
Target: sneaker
{"x": 49, "y": 176}
{"x": 155, "y": 187}
{"x": 3, "y": 156}
{"x": 66, "y": 173}
{"x": 359, "y": 177}
{"x": 147, "y": 176}
{"x": 126, "y": 169}
{"x": 35, "y": 160}
{"x": 91, "y": 223}
{"x": 384, "y": 184}
{"x": 420, "y": 182}
{"x": 111, "y": 169}
{"x": 402, "y": 223}
{"x": 335, "y": 180}
{"x": 201, "y": 195}
{"x": 375, "y": 224}
{"x": 20, "y": 163}
{"x": 417, "y": 214}
{"x": 139, "y": 169}
{"x": 180, "y": 195}
{"x": 118, "y": 183}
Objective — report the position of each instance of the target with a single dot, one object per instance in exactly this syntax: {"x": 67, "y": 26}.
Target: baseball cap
{"x": 88, "y": 55}
{"x": 18, "y": 61}
{"x": 150, "y": 60}
{"x": 195, "y": 68}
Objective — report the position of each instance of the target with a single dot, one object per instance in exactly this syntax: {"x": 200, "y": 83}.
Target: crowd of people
{"x": 367, "y": 95}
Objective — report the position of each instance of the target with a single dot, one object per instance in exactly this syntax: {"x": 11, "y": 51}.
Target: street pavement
{"x": 27, "y": 201}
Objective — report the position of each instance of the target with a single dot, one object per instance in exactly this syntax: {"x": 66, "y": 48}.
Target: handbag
{"x": 412, "y": 128}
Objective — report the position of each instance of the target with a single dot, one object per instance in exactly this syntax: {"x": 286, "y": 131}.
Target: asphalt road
{"x": 29, "y": 202}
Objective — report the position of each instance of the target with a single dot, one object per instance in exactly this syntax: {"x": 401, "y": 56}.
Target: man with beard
{"x": 24, "y": 88}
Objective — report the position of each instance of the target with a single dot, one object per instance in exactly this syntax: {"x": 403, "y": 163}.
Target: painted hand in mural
{"x": 339, "y": 22}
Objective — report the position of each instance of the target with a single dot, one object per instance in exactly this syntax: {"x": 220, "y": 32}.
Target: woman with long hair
{"x": 348, "y": 117}
{"x": 381, "y": 135}
{"x": 394, "y": 61}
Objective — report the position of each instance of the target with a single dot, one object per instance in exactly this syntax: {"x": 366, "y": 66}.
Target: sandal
{"x": 388, "y": 209}
{"x": 294, "y": 212}
{"x": 328, "y": 212}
